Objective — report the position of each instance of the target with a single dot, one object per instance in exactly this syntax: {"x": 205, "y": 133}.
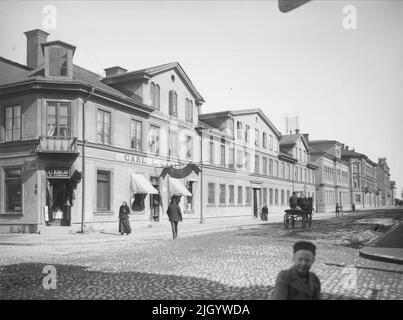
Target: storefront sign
{"x": 59, "y": 173}
{"x": 142, "y": 160}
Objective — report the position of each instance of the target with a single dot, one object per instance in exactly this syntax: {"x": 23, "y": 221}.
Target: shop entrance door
{"x": 57, "y": 202}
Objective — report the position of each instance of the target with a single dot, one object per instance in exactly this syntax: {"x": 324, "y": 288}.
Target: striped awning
{"x": 139, "y": 184}
{"x": 177, "y": 188}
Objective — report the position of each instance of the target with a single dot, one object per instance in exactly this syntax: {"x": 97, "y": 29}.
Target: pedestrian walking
{"x": 337, "y": 210}
{"x": 265, "y": 212}
{"x": 353, "y": 207}
{"x": 298, "y": 283}
{"x": 175, "y": 215}
{"x": 124, "y": 223}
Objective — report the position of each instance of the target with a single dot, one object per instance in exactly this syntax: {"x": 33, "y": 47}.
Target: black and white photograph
{"x": 209, "y": 153}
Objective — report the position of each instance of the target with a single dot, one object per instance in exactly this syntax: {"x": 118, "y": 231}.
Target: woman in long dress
{"x": 124, "y": 223}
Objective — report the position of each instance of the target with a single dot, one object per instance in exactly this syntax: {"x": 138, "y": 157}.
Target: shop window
{"x": 58, "y": 119}
{"x": 13, "y": 188}
{"x": 240, "y": 193}
{"x": 138, "y": 201}
{"x": 13, "y": 123}
{"x": 103, "y": 190}
{"x": 211, "y": 193}
{"x": 248, "y": 195}
{"x": 231, "y": 194}
{"x": 222, "y": 194}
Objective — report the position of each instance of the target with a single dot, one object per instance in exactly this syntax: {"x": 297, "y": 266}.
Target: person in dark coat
{"x": 298, "y": 283}
{"x": 265, "y": 212}
{"x": 175, "y": 215}
{"x": 294, "y": 202}
{"x": 124, "y": 223}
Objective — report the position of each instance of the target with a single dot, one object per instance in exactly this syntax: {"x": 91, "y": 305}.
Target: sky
{"x": 345, "y": 84}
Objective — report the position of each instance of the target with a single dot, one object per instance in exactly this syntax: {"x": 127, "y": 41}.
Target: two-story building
{"x": 74, "y": 144}
{"x": 248, "y": 163}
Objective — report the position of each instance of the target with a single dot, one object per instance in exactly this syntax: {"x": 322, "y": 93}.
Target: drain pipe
{"x": 83, "y": 178}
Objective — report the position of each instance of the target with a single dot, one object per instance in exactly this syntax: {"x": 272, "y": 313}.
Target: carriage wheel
{"x": 286, "y": 221}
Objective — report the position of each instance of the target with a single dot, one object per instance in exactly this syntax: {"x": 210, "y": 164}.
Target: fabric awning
{"x": 177, "y": 188}
{"x": 140, "y": 184}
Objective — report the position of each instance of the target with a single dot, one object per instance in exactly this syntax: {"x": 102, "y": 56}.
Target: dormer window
{"x": 58, "y": 62}
{"x": 58, "y": 59}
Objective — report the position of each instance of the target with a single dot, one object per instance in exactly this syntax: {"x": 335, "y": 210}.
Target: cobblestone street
{"x": 240, "y": 264}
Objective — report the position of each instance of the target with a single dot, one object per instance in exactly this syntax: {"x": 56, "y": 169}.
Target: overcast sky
{"x": 346, "y": 85}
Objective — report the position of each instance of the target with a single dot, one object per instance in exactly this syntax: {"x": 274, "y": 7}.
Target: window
{"x": 257, "y": 137}
{"x": 155, "y": 95}
{"x": 239, "y": 159}
{"x": 103, "y": 127}
{"x": 270, "y": 167}
{"x": 288, "y": 195}
{"x": 239, "y": 130}
{"x": 13, "y": 123}
{"x": 276, "y": 169}
{"x": 222, "y": 152}
{"x": 247, "y": 161}
{"x": 300, "y": 154}
{"x": 271, "y": 142}
{"x": 231, "y": 158}
{"x": 271, "y": 196}
{"x": 136, "y": 128}
{"x": 247, "y": 133}
{"x": 189, "y": 110}
{"x": 58, "y": 62}
{"x": 173, "y": 103}
{"x": 231, "y": 192}
{"x": 288, "y": 171}
{"x": 282, "y": 198}
{"x": 265, "y": 165}
{"x": 248, "y": 195}
{"x": 211, "y": 150}
{"x": 276, "y": 197}
{"x": 264, "y": 195}
{"x": 264, "y": 138}
{"x": 240, "y": 195}
{"x": 173, "y": 144}
{"x": 222, "y": 194}
{"x": 13, "y": 188}
{"x": 189, "y": 148}
{"x": 58, "y": 119}
{"x": 154, "y": 141}
{"x": 211, "y": 193}
{"x": 231, "y": 125}
{"x": 282, "y": 173}
{"x": 305, "y": 175}
{"x": 256, "y": 164}
{"x": 103, "y": 190}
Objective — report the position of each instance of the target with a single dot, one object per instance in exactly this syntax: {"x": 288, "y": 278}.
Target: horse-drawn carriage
{"x": 293, "y": 215}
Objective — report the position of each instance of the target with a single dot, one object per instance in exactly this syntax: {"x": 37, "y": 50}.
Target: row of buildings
{"x": 74, "y": 145}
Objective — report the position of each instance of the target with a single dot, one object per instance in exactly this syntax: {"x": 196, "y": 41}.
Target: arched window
{"x": 188, "y": 110}
{"x": 155, "y": 96}
{"x": 173, "y": 98}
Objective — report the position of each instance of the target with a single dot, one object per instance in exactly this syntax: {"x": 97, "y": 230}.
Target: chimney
{"x": 114, "y": 71}
{"x": 297, "y": 131}
{"x": 306, "y": 135}
{"x": 347, "y": 147}
{"x": 34, "y": 51}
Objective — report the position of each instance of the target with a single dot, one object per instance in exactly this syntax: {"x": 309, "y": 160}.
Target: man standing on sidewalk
{"x": 298, "y": 283}
{"x": 175, "y": 215}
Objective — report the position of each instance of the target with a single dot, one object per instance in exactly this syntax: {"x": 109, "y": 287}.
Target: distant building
{"x": 383, "y": 182}
{"x": 333, "y": 183}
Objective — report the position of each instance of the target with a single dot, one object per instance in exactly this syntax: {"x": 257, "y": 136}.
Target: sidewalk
{"x": 161, "y": 230}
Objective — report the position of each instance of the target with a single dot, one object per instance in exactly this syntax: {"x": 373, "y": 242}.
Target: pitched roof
{"x": 151, "y": 71}
{"x": 243, "y": 112}
{"x": 351, "y": 154}
{"x": 291, "y": 139}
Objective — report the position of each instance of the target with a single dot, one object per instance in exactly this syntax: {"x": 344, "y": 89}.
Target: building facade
{"x": 332, "y": 177}
{"x": 383, "y": 183}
